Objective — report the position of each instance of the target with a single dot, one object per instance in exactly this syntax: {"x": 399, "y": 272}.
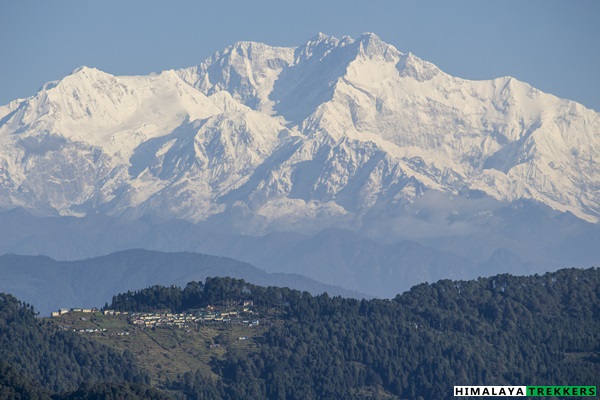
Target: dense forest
{"x": 39, "y": 360}
{"x": 502, "y": 330}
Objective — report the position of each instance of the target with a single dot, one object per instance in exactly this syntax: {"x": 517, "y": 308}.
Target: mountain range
{"x": 414, "y": 173}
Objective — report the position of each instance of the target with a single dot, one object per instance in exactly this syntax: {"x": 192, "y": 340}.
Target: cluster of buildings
{"x": 62, "y": 311}
{"x": 242, "y": 314}
{"x": 113, "y": 312}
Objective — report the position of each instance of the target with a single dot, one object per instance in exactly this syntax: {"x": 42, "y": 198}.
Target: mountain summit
{"x": 335, "y": 132}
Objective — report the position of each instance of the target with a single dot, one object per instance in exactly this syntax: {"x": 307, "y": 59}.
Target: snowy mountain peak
{"x": 84, "y": 69}
{"x": 315, "y": 48}
{"x": 322, "y": 38}
{"x": 247, "y": 70}
{"x": 370, "y": 36}
{"x": 412, "y": 66}
{"x": 372, "y": 47}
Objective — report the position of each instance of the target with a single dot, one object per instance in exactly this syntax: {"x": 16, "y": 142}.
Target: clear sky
{"x": 553, "y": 45}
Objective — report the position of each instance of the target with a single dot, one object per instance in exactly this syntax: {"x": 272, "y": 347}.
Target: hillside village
{"x": 242, "y": 314}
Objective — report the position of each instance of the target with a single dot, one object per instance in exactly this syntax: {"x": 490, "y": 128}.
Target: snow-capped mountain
{"x": 336, "y": 132}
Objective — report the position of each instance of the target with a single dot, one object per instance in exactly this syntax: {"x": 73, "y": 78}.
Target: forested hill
{"x": 38, "y": 360}
{"x": 503, "y": 330}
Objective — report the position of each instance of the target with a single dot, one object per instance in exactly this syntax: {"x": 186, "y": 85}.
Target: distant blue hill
{"x": 48, "y": 284}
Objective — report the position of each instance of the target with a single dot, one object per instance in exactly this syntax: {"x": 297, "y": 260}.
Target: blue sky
{"x": 553, "y": 45}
